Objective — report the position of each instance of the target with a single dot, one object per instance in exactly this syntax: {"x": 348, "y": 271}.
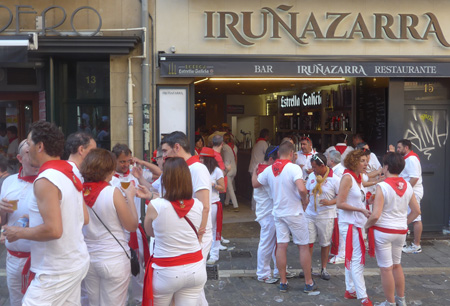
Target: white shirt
{"x": 201, "y": 180}
{"x": 14, "y": 188}
{"x": 330, "y": 189}
{"x": 76, "y": 171}
{"x": 354, "y": 198}
{"x": 338, "y": 170}
{"x": 215, "y": 176}
{"x": 413, "y": 169}
{"x": 285, "y": 195}
{"x": 130, "y": 177}
{"x": 264, "y": 202}
{"x": 258, "y": 152}
{"x": 69, "y": 252}
{"x": 374, "y": 163}
{"x": 347, "y": 150}
{"x": 395, "y": 208}
{"x": 305, "y": 160}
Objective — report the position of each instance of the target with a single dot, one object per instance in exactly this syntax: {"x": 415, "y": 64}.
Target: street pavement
{"x": 427, "y": 274}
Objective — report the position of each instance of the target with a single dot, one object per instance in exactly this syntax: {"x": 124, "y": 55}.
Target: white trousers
{"x": 14, "y": 267}
{"x": 56, "y": 290}
{"x": 214, "y": 253}
{"x": 266, "y": 247}
{"x": 137, "y": 282}
{"x": 354, "y": 278}
{"x": 107, "y": 281}
{"x": 182, "y": 284}
{"x": 230, "y": 189}
{"x": 341, "y": 252}
{"x": 206, "y": 247}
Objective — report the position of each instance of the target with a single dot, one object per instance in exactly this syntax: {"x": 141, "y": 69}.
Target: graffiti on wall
{"x": 428, "y": 130}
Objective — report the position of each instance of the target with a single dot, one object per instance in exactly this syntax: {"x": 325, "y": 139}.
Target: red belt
{"x": 219, "y": 220}
{"x": 371, "y": 236}
{"x": 19, "y": 254}
{"x": 349, "y": 246}
{"x": 147, "y": 298}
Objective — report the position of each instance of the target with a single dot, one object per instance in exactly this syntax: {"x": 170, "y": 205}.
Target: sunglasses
{"x": 363, "y": 197}
{"x": 317, "y": 158}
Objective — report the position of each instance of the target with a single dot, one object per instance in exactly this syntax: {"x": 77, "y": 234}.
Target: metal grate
{"x": 212, "y": 272}
{"x": 241, "y": 254}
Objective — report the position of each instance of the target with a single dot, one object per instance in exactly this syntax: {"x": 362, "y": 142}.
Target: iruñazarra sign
{"x": 378, "y": 26}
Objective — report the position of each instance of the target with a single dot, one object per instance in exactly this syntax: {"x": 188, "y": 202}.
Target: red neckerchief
{"x": 398, "y": 184}
{"x": 198, "y": 151}
{"x": 29, "y": 178}
{"x": 340, "y": 148}
{"x": 193, "y": 159}
{"x": 118, "y": 175}
{"x": 357, "y": 178}
{"x": 307, "y": 154}
{"x": 349, "y": 246}
{"x": 11, "y": 140}
{"x": 330, "y": 174}
{"x": 411, "y": 153}
{"x": 261, "y": 168}
{"x": 260, "y": 139}
{"x": 65, "y": 168}
{"x": 278, "y": 166}
{"x": 182, "y": 207}
{"x": 91, "y": 191}
{"x": 371, "y": 236}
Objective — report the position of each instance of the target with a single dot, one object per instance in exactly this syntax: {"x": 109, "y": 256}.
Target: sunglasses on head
{"x": 317, "y": 158}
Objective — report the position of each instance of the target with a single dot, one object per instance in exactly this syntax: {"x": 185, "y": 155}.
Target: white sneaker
{"x": 337, "y": 260}
{"x": 400, "y": 301}
{"x": 222, "y": 248}
{"x": 412, "y": 249}
{"x": 211, "y": 261}
{"x": 224, "y": 241}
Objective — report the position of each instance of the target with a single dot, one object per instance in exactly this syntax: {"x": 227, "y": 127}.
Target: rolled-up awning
{"x": 14, "y": 49}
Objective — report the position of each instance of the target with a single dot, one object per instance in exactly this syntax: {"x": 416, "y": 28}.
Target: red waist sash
{"x": 185, "y": 259}
{"x": 349, "y": 246}
{"x": 133, "y": 243}
{"x": 219, "y": 220}
{"x": 335, "y": 238}
{"x": 19, "y": 254}
{"x": 27, "y": 275}
{"x": 371, "y": 236}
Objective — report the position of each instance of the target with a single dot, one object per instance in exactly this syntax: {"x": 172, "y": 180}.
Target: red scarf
{"x": 349, "y": 247}
{"x": 398, "y": 184}
{"x": 147, "y": 298}
{"x": 278, "y": 166}
{"x": 307, "y": 154}
{"x": 91, "y": 191}
{"x": 411, "y": 153}
{"x": 182, "y": 207}
{"x": 133, "y": 243}
{"x": 371, "y": 236}
{"x": 65, "y": 168}
{"x": 219, "y": 220}
{"x": 260, "y": 139}
{"x": 335, "y": 238}
{"x": 198, "y": 151}
{"x": 12, "y": 139}
{"x": 118, "y": 175}
{"x": 340, "y": 148}
{"x": 193, "y": 159}
{"x": 357, "y": 178}
{"x": 29, "y": 178}
{"x": 261, "y": 168}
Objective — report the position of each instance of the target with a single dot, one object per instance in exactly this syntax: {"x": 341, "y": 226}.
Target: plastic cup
{"x": 14, "y": 204}
{"x": 125, "y": 185}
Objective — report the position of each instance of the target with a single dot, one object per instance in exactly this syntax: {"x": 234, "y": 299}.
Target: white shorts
{"x": 321, "y": 229}
{"x": 419, "y": 218}
{"x": 388, "y": 248}
{"x": 296, "y": 225}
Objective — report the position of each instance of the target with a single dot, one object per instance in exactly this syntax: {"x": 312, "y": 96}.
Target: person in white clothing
{"x": 17, "y": 187}
{"x": 110, "y": 214}
{"x": 304, "y": 156}
{"x": 373, "y": 174}
{"x": 412, "y": 173}
{"x": 341, "y": 147}
{"x": 59, "y": 256}
{"x": 289, "y": 195}
{"x": 323, "y": 187}
{"x": 351, "y": 199}
{"x": 259, "y": 149}
{"x": 387, "y": 226}
{"x": 177, "y": 271}
{"x": 229, "y": 161}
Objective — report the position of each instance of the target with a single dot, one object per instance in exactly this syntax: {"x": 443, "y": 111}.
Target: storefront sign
{"x": 44, "y": 27}
{"x": 248, "y": 68}
{"x": 343, "y": 26}
{"x": 305, "y": 100}
{"x": 236, "y": 109}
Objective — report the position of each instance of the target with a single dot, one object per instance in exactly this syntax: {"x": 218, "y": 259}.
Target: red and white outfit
{"x": 321, "y": 217}
{"x": 351, "y": 228}
{"x": 341, "y": 148}
{"x": 216, "y": 215}
{"x": 109, "y": 274}
{"x": 305, "y": 160}
{"x": 179, "y": 272}
{"x": 388, "y": 235}
{"x": 267, "y": 237}
{"x": 413, "y": 169}
{"x": 19, "y": 188}
{"x": 287, "y": 207}
{"x": 59, "y": 264}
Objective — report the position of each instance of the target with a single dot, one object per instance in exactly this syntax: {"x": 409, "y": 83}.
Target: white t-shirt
{"x": 201, "y": 180}
{"x": 98, "y": 240}
{"x": 76, "y": 171}
{"x": 338, "y": 170}
{"x": 14, "y": 188}
{"x": 264, "y": 202}
{"x": 395, "y": 209}
{"x": 215, "y": 176}
{"x": 258, "y": 152}
{"x": 305, "y": 160}
{"x": 13, "y": 147}
{"x": 173, "y": 235}
{"x": 330, "y": 189}
{"x": 413, "y": 169}
{"x": 347, "y": 150}
{"x": 357, "y": 198}
{"x": 285, "y": 195}
{"x": 69, "y": 252}
{"x": 128, "y": 178}
{"x": 374, "y": 163}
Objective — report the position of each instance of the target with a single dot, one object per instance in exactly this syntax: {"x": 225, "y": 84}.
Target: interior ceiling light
{"x": 278, "y": 79}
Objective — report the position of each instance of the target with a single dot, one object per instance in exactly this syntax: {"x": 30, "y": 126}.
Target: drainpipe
{"x": 146, "y": 129}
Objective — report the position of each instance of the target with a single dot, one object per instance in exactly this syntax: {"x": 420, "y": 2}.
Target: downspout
{"x": 152, "y": 113}
{"x": 146, "y": 129}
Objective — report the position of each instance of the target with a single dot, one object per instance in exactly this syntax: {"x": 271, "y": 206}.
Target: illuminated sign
{"x": 306, "y": 100}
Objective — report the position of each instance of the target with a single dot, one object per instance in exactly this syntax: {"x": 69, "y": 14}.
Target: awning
{"x": 14, "y": 49}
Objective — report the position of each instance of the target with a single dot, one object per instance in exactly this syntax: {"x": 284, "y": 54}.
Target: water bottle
{"x": 22, "y": 222}
{"x": 446, "y": 230}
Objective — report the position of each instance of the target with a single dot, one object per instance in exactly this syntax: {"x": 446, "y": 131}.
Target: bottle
{"x": 22, "y": 222}
{"x": 347, "y": 127}
{"x": 342, "y": 122}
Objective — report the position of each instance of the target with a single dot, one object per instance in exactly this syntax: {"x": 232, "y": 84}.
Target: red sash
{"x": 349, "y": 246}
{"x": 29, "y": 179}
{"x": 133, "y": 243}
{"x": 197, "y": 150}
{"x": 193, "y": 159}
{"x": 27, "y": 275}
{"x": 340, "y": 148}
{"x": 398, "y": 184}
{"x": 335, "y": 238}
{"x": 65, "y": 168}
{"x": 118, "y": 175}
{"x": 278, "y": 166}
{"x": 91, "y": 191}
{"x": 147, "y": 298}
{"x": 411, "y": 153}
{"x": 219, "y": 220}
{"x": 371, "y": 236}
{"x": 357, "y": 178}
{"x": 19, "y": 254}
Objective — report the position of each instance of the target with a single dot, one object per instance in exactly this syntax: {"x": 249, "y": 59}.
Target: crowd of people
{"x": 77, "y": 231}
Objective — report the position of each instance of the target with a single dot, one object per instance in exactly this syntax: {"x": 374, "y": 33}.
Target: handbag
{"x": 134, "y": 261}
